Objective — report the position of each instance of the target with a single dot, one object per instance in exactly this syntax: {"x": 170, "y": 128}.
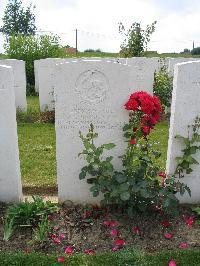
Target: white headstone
{"x": 185, "y": 108}
{"x": 44, "y": 81}
{"x": 10, "y": 180}
{"x": 174, "y": 61}
{"x": 87, "y": 91}
{"x": 143, "y": 70}
{"x": 36, "y": 66}
{"x": 19, "y": 72}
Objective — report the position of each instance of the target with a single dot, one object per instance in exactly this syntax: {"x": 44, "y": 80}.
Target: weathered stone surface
{"x": 18, "y": 67}
{"x": 44, "y": 82}
{"x": 174, "y": 61}
{"x": 10, "y": 180}
{"x": 185, "y": 108}
{"x": 87, "y": 91}
{"x": 142, "y": 72}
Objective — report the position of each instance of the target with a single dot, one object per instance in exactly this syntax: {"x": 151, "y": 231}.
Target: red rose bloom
{"x": 132, "y": 142}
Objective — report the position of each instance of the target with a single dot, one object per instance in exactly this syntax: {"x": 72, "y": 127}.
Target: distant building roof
{"x": 70, "y": 50}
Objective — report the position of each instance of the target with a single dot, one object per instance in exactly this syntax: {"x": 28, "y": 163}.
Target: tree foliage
{"x": 17, "y": 19}
{"x": 196, "y": 51}
{"x": 32, "y": 47}
{"x": 136, "y": 39}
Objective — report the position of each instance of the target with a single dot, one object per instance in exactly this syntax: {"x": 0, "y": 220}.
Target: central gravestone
{"x": 87, "y": 91}
{"x": 44, "y": 78}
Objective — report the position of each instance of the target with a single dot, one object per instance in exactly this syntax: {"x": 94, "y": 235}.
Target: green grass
{"x": 122, "y": 258}
{"x": 33, "y": 103}
{"x": 38, "y": 149}
{"x": 37, "y": 154}
{"x": 160, "y": 135}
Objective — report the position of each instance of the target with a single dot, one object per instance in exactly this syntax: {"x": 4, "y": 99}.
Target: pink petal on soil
{"x": 110, "y": 223}
{"x": 114, "y": 232}
{"x": 56, "y": 240}
{"x": 165, "y": 224}
{"x": 114, "y": 249}
{"x": 172, "y": 263}
{"x": 183, "y": 245}
{"x": 119, "y": 242}
{"x": 68, "y": 250}
{"x": 63, "y": 236}
{"x": 86, "y": 214}
{"x": 89, "y": 251}
{"x": 61, "y": 259}
{"x": 136, "y": 230}
{"x": 168, "y": 236}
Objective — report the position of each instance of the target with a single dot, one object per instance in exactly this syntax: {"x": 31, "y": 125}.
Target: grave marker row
{"x": 18, "y": 68}
{"x": 10, "y": 180}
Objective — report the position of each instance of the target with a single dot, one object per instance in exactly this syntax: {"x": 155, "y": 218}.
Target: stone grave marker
{"x": 185, "y": 108}
{"x": 18, "y": 67}
{"x": 142, "y": 72}
{"x": 87, "y": 91}
{"x": 44, "y": 78}
{"x": 174, "y": 61}
{"x": 10, "y": 179}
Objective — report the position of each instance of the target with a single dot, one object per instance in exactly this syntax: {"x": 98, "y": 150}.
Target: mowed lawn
{"x": 37, "y": 145}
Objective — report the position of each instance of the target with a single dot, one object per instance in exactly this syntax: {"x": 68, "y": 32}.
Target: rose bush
{"x": 141, "y": 183}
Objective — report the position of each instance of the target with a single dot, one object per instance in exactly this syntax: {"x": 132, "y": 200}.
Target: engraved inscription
{"x": 92, "y": 86}
{"x": 81, "y": 117}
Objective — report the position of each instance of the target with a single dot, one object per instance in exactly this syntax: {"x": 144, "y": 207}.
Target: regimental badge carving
{"x": 92, "y": 86}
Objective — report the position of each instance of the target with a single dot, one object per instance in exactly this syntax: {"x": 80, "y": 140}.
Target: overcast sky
{"x": 97, "y": 21}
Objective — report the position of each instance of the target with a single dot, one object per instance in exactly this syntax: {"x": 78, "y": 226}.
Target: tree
{"x": 33, "y": 47}
{"x": 136, "y": 38}
{"x": 17, "y": 19}
{"x": 196, "y": 51}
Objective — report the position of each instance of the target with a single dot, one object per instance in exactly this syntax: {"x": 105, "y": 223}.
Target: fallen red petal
{"x": 183, "y": 245}
{"x": 89, "y": 251}
{"x": 56, "y": 241}
{"x": 61, "y": 259}
{"x": 119, "y": 242}
{"x": 168, "y": 236}
{"x": 68, "y": 250}
{"x": 172, "y": 263}
{"x": 114, "y": 232}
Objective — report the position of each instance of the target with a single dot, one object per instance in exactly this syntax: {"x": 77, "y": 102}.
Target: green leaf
{"x": 189, "y": 170}
{"x": 108, "y": 146}
{"x": 95, "y": 193}
{"x": 126, "y": 127}
{"x": 82, "y": 175}
{"x": 186, "y": 140}
{"x": 120, "y": 178}
{"x": 191, "y": 160}
{"x": 109, "y": 159}
{"x": 91, "y": 180}
{"x": 124, "y": 187}
{"x": 193, "y": 149}
{"x": 125, "y": 196}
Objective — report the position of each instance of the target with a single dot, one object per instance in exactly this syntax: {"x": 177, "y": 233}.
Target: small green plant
{"x": 136, "y": 39}
{"x": 28, "y": 213}
{"x": 163, "y": 86}
{"x": 8, "y": 228}
{"x": 185, "y": 162}
{"x": 40, "y": 234}
{"x": 197, "y": 214}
